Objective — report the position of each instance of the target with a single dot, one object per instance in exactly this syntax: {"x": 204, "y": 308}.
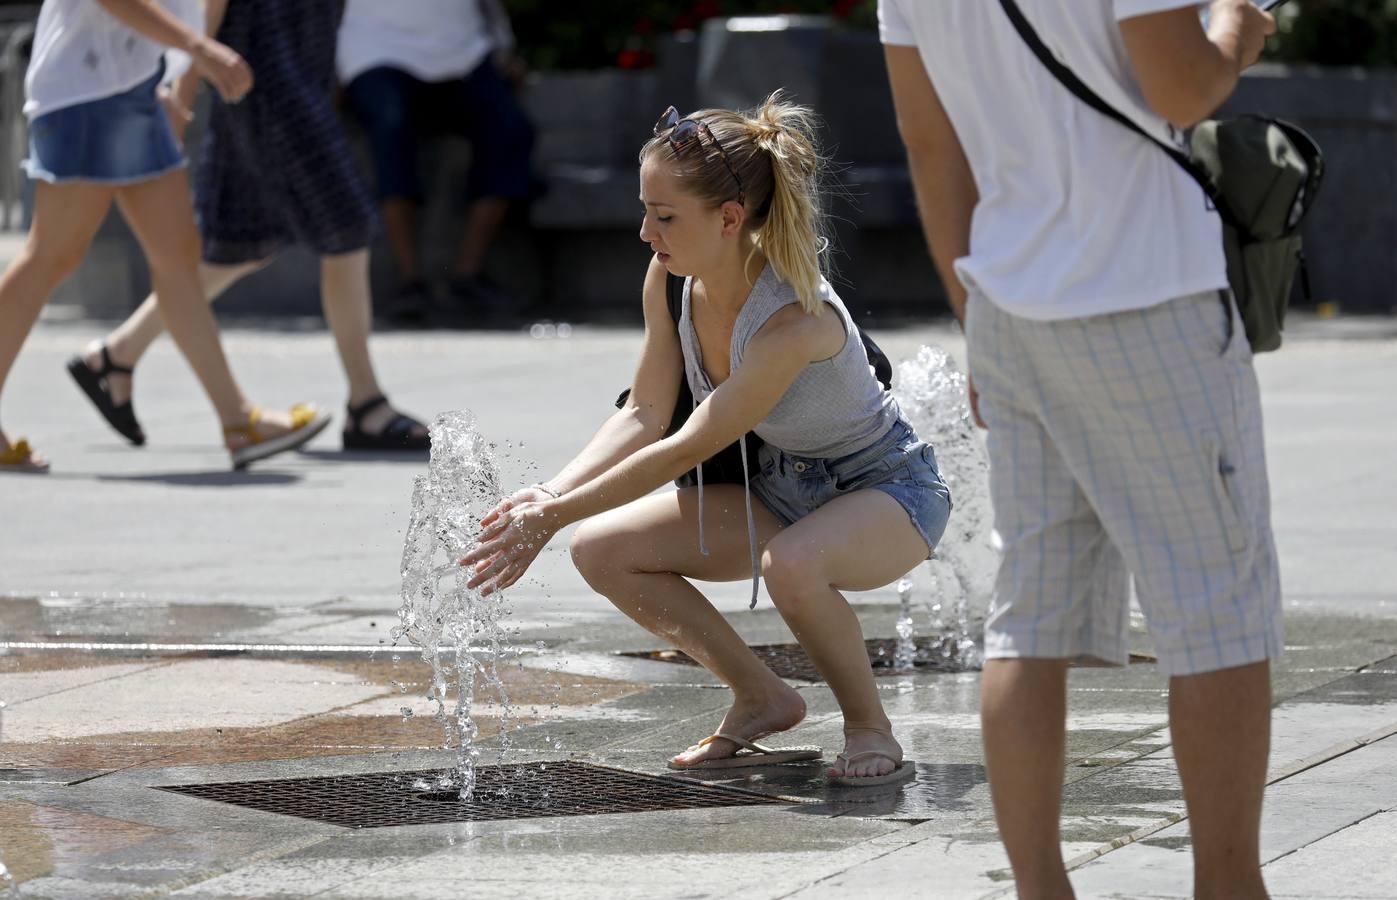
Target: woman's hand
{"x": 525, "y": 495}
{"x": 178, "y": 114}
{"x": 513, "y": 539}
{"x": 228, "y": 72}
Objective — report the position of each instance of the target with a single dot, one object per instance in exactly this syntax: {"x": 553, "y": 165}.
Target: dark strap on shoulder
{"x": 1069, "y": 80}
{"x": 674, "y": 296}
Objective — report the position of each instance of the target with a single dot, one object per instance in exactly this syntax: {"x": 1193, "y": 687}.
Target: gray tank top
{"x": 835, "y": 407}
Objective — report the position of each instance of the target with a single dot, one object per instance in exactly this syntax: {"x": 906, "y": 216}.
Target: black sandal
{"x": 396, "y": 435}
{"x": 94, "y": 384}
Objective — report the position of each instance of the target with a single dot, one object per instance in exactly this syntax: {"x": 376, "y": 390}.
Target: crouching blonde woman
{"x": 846, "y": 497}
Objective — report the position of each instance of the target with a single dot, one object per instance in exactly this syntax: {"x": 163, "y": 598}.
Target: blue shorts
{"x": 395, "y": 109}
{"x": 898, "y": 464}
{"x": 122, "y": 139}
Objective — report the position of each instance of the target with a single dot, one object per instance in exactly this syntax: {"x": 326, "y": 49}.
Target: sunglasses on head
{"x": 685, "y": 133}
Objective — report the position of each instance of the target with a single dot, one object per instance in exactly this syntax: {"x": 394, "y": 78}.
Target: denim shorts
{"x": 898, "y": 464}
{"x": 122, "y": 139}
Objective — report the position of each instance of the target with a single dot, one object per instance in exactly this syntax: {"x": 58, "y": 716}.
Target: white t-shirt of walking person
{"x": 84, "y": 53}
{"x": 1077, "y": 216}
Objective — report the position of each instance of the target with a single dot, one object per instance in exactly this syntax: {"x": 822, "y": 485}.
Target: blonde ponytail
{"x": 790, "y": 231}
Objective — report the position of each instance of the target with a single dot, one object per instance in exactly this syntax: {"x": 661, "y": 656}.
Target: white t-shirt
{"x": 83, "y": 53}
{"x": 433, "y": 40}
{"x": 1077, "y": 215}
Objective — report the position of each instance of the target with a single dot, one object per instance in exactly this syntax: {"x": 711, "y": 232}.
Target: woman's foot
{"x": 266, "y": 433}
{"x": 780, "y": 710}
{"x": 882, "y": 753}
{"x": 20, "y": 457}
{"x": 118, "y": 379}
{"x": 374, "y": 424}
{"x": 107, "y": 383}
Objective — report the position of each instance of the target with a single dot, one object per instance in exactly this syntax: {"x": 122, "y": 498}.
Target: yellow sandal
{"x": 19, "y": 458}
{"x": 306, "y": 423}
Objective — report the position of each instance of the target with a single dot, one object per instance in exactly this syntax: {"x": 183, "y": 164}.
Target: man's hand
{"x": 1242, "y": 25}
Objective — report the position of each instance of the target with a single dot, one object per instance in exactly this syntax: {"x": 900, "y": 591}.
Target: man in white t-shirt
{"x": 432, "y": 67}
{"x": 1115, "y": 379}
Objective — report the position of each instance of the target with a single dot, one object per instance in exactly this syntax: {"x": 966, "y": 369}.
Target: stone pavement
{"x": 164, "y": 622}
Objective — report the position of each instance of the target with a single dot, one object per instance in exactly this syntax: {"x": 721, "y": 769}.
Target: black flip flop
{"x": 94, "y": 384}
{"x": 396, "y": 435}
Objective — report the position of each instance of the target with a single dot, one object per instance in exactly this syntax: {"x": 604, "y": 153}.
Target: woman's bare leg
{"x": 856, "y": 542}
{"x": 66, "y": 217}
{"x": 129, "y": 341}
{"x": 348, "y": 304}
{"x": 641, "y": 556}
{"x": 160, "y": 213}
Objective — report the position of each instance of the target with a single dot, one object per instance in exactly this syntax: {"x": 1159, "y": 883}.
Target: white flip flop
{"x": 750, "y": 753}
{"x": 905, "y": 769}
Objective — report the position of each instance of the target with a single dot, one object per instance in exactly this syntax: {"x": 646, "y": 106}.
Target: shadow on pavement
{"x": 938, "y": 788}
{"x": 366, "y": 456}
{"x": 207, "y": 479}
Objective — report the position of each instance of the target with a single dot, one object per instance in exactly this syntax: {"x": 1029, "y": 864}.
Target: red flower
{"x": 635, "y": 59}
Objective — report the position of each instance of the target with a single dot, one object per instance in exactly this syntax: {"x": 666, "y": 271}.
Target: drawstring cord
{"x": 751, "y": 522}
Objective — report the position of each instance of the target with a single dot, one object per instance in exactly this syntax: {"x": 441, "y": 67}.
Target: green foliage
{"x": 1336, "y": 33}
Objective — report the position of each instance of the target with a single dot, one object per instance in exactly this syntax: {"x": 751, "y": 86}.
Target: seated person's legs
{"x": 385, "y": 99}
{"x": 502, "y": 140}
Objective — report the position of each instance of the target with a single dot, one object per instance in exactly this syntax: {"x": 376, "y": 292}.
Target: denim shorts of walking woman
{"x": 118, "y": 140}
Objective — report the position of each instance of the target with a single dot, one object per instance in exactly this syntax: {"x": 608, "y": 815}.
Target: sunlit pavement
{"x": 167, "y": 622}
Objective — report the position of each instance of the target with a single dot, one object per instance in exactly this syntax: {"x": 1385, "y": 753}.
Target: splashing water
{"x": 905, "y": 656}
{"x": 9, "y": 888}
{"x": 459, "y": 633}
{"x": 958, "y": 580}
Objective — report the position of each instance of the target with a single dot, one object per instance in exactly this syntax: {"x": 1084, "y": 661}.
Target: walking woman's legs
{"x": 348, "y": 304}
{"x": 641, "y": 556}
{"x": 160, "y": 213}
{"x": 856, "y": 542}
{"x": 65, "y": 219}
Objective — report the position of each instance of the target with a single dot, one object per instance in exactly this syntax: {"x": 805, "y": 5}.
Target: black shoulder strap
{"x": 674, "y": 296}
{"x": 1069, "y": 80}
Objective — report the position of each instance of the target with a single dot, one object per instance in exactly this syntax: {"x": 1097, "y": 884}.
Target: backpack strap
{"x": 674, "y": 296}
{"x": 1069, "y": 80}
{"x": 674, "y": 300}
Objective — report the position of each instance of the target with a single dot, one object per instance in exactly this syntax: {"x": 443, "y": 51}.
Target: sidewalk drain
{"x": 790, "y": 661}
{"x": 523, "y": 791}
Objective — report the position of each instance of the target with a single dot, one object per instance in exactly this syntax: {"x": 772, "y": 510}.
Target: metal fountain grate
{"x": 524, "y": 791}
{"x": 790, "y": 661}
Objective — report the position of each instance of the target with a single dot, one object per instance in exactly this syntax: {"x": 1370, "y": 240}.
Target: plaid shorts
{"x": 1128, "y": 444}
